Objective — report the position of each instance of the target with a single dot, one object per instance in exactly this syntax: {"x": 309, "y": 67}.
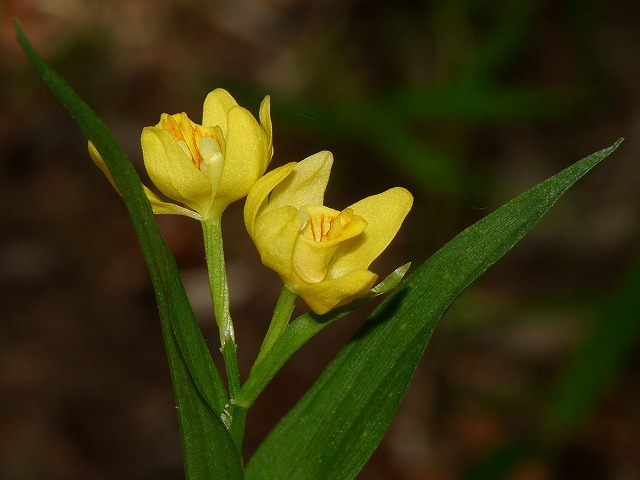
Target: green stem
{"x": 214, "y": 255}
{"x": 279, "y": 322}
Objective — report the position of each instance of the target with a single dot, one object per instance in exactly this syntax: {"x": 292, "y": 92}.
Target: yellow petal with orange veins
{"x": 173, "y": 172}
{"x": 320, "y": 238}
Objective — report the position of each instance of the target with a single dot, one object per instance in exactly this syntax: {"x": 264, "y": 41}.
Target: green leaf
{"x": 200, "y": 395}
{"x": 336, "y": 426}
{"x": 391, "y": 282}
{"x": 299, "y": 332}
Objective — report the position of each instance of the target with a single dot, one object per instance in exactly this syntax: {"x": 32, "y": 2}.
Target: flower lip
{"x": 319, "y": 240}
{"x": 329, "y": 226}
{"x": 198, "y": 142}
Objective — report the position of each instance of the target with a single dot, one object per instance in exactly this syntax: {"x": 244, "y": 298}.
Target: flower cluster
{"x": 321, "y": 254}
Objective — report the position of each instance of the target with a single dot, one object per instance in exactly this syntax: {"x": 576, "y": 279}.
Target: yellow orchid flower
{"x": 204, "y": 167}
{"x": 320, "y": 253}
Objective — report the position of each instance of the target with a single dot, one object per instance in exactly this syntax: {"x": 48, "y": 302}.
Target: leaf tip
{"x": 22, "y": 38}
{"x": 18, "y": 28}
{"x": 391, "y": 281}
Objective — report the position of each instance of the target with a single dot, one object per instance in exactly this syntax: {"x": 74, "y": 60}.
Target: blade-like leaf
{"x": 336, "y": 426}
{"x": 299, "y": 332}
{"x": 200, "y": 395}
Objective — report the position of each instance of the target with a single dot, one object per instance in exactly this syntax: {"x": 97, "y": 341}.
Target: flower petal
{"x": 265, "y": 122}
{"x": 99, "y": 161}
{"x": 173, "y": 172}
{"x": 245, "y": 156}
{"x": 306, "y": 184}
{"x": 216, "y": 107}
{"x": 319, "y": 239}
{"x": 160, "y": 207}
{"x": 276, "y": 233}
{"x": 384, "y": 214}
{"x": 260, "y": 192}
{"x": 311, "y": 259}
{"x": 332, "y": 293}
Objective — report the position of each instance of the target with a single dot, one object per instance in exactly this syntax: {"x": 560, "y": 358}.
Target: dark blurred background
{"x": 532, "y": 375}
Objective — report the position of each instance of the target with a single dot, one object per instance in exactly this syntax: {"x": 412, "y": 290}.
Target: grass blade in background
{"x": 208, "y": 450}
{"x": 331, "y": 433}
{"x": 592, "y": 370}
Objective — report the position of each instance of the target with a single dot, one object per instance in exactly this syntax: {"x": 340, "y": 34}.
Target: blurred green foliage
{"x": 467, "y": 103}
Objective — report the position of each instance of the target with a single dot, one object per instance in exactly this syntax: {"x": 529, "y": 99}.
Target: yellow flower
{"x": 321, "y": 254}
{"x": 204, "y": 167}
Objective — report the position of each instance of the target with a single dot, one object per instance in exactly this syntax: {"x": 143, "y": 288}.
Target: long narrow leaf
{"x": 336, "y": 426}
{"x": 200, "y": 395}
{"x": 299, "y": 332}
